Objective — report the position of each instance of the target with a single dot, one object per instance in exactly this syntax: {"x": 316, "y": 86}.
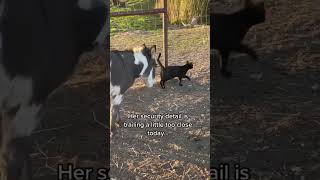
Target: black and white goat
{"x": 41, "y": 42}
{"x": 125, "y": 67}
{"x": 228, "y": 31}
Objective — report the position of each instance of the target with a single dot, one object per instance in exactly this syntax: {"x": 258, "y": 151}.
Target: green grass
{"x": 179, "y": 11}
{"x": 128, "y": 23}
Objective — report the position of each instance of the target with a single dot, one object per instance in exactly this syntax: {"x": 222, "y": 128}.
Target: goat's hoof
{"x": 180, "y": 85}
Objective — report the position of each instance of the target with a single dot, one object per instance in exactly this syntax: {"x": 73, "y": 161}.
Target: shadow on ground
{"x": 267, "y": 117}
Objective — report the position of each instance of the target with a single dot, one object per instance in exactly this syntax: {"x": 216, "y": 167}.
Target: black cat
{"x": 171, "y": 72}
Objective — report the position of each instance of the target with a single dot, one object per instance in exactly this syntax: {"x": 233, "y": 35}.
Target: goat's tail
{"x": 159, "y": 62}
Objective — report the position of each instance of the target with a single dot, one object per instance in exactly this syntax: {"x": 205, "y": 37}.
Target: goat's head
{"x": 149, "y": 53}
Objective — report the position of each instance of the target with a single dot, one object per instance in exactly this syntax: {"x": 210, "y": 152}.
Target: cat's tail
{"x": 158, "y": 60}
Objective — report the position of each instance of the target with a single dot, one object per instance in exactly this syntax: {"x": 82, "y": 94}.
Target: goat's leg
{"x": 115, "y": 115}
{"x": 112, "y": 121}
{"x": 115, "y": 112}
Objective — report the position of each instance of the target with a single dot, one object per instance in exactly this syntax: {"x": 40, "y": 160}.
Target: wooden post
{"x": 165, "y": 31}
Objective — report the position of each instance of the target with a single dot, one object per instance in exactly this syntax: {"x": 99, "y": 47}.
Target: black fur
{"x": 49, "y": 42}
{"x": 228, "y": 31}
{"x": 171, "y": 72}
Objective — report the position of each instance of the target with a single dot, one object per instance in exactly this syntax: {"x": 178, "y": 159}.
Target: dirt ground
{"x": 183, "y": 153}
{"x": 267, "y": 117}
{"x": 71, "y": 129}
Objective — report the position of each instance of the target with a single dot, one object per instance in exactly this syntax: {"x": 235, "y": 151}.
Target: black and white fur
{"x": 228, "y": 31}
{"x": 40, "y": 44}
{"x": 171, "y": 72}
{"x": 125, "y": 67}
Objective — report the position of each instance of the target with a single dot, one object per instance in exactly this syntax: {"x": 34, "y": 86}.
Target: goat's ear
{"x": 144, "y": 45}
{"x": 153, "y": 49}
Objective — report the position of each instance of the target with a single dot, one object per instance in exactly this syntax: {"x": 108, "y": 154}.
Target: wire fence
{"x": 160, "y": 17}
{"x": 154, "y": 22}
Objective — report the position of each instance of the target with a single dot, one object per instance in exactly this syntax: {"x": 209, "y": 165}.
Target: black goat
{"x": 228, "y": 31}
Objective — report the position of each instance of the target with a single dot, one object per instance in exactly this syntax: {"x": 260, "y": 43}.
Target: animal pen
{"x": 160, "y": 7}
{"x": 135, "y": 153}
{"x": 162, "y": 11}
